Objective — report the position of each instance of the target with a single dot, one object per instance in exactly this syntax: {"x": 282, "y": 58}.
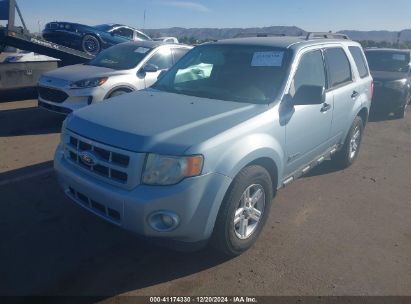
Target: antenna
{"x": 144, "y": 19}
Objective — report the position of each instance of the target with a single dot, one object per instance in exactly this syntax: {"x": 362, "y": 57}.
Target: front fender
{"x": 234, "y": 156}
{"x": 120, "y": 87}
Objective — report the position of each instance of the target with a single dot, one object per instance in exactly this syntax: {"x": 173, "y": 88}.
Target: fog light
{"x": 164, "y": 221}
{"x": 167, "y": 220}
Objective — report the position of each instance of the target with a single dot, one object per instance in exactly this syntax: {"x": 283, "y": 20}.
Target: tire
{"x": 229, "y": 238}
{"x": 400, "y": 113}
{"x": 91, "y": 45}
{"x": 118, "y": 93}
{"x": 351, "y": 148}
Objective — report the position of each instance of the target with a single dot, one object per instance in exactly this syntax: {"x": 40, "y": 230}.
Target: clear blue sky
{"x": 314, "y": 15}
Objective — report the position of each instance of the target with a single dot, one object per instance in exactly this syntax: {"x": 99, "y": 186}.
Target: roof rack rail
{"x": 270, "y": 35}
{"x": 313, "y": 35}
{"x": 247, "y": 35}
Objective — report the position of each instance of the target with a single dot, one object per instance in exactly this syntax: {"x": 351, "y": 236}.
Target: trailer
{"x": 20, "y": 37}
{"x": 17, "y": 75}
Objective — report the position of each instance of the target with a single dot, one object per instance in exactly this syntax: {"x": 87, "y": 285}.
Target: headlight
{"x": 63, "y": 127}
{"x": 89, "y": 83}
{"x": 170, "y": 170}
{"x": 397, "y": 84}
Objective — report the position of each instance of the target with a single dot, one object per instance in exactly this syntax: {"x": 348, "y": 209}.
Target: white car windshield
{"x": 251, "y": 74}
{"x": 120, "y": 57}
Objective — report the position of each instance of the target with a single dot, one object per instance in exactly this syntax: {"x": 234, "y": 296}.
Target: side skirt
{"x": 308, "y": 167}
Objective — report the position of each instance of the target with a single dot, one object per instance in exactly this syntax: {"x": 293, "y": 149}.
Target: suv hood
{"x": 159, "y": 122}
{"x": 80, "y": 72}
{"x": 388, "y": 76}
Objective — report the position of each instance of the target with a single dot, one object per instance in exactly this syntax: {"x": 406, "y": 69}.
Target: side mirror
{"x": 150, "y": 68}
{"x": 309, "y": 95}
{"x": 161, "y": 74}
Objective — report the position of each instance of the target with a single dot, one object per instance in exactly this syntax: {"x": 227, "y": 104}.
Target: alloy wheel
{"x": 249, "y": 211}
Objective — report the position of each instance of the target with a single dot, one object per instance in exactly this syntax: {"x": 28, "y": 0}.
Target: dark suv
{"x": 391, "y": 71}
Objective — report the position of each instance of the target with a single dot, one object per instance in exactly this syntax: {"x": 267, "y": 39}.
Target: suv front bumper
{"x": 195, "y": 201}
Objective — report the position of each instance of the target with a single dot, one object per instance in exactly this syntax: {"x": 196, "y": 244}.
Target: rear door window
{"x": 338, "y": 67}
{"x": 360, "y": 62}
{"x": 124, "y": 32}
{"x": 141, "y": 36}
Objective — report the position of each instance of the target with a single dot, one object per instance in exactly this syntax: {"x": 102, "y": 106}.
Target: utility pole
{"x": 144, "y": 20}
{"x": 398, "y": 38}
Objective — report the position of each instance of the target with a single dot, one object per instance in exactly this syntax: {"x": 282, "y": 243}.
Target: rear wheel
{"x": 349, "y": 152}
{"x": 400, "y": 113}
{"x": 91, "y": 45}
{"x": 243, "y": 212}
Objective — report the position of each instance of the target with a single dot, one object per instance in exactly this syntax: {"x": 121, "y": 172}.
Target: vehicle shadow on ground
{"x": 29, "y": 121}
{"x": 380, "y": 117}
{"x": 18, "y": 94}
{"x": 50, "y": 246}
{"x": 9, "y": 176}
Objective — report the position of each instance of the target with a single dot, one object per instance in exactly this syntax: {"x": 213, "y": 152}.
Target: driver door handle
{"x": 325, "y": 107}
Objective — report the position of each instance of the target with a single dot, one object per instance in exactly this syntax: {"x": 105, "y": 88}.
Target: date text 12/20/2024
{"x": 203, "y": 300}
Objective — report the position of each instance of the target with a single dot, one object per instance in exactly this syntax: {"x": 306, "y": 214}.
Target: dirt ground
{"x": 329, "y": 233}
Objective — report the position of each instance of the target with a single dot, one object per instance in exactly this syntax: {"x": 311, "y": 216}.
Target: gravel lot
{"x": 330, "y": 233}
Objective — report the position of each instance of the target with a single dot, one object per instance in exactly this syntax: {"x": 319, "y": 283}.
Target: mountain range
{"x": 224, "y": 33}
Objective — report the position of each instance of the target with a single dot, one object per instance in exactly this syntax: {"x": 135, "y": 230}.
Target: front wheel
{"x": 118, "y": 93}
{"x": 349, "y": 152}
{"x": 243, "y": 212}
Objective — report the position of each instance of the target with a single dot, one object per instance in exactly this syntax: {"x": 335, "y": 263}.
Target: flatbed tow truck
{"x": 25, "y": 74}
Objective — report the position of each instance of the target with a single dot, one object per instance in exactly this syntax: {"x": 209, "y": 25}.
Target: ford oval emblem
{"x": 88, "y": 158}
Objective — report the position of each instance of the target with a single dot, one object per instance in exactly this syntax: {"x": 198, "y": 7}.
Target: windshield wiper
{"x": 199, "y": 93}
{"x": 162, "y": 87}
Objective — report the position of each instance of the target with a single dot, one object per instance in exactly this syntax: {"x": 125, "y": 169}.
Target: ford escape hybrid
{"x": 199, "y": 156}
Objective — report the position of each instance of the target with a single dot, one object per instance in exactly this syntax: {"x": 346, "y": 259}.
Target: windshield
{"x": 388, "y": 61}
{"x": 252, "y": 74}
{"x": 120, "y": 57}
{"x": 103, "y": 27}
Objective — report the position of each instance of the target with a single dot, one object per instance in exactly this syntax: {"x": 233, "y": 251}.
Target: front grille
{"x": 52, "y": 94}
{"x": 109, "y": 164}
{"x": 101, "y": 209}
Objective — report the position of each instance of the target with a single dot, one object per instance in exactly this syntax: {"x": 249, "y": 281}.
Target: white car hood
{"x": 80, "y": 72}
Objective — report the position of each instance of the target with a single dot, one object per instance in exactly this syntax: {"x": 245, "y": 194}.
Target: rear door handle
{"x": 325, "y": 107}
{"x": 355, "y": 94}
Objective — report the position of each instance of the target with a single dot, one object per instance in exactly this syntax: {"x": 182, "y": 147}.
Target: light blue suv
{"x": 200, "y": 155}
